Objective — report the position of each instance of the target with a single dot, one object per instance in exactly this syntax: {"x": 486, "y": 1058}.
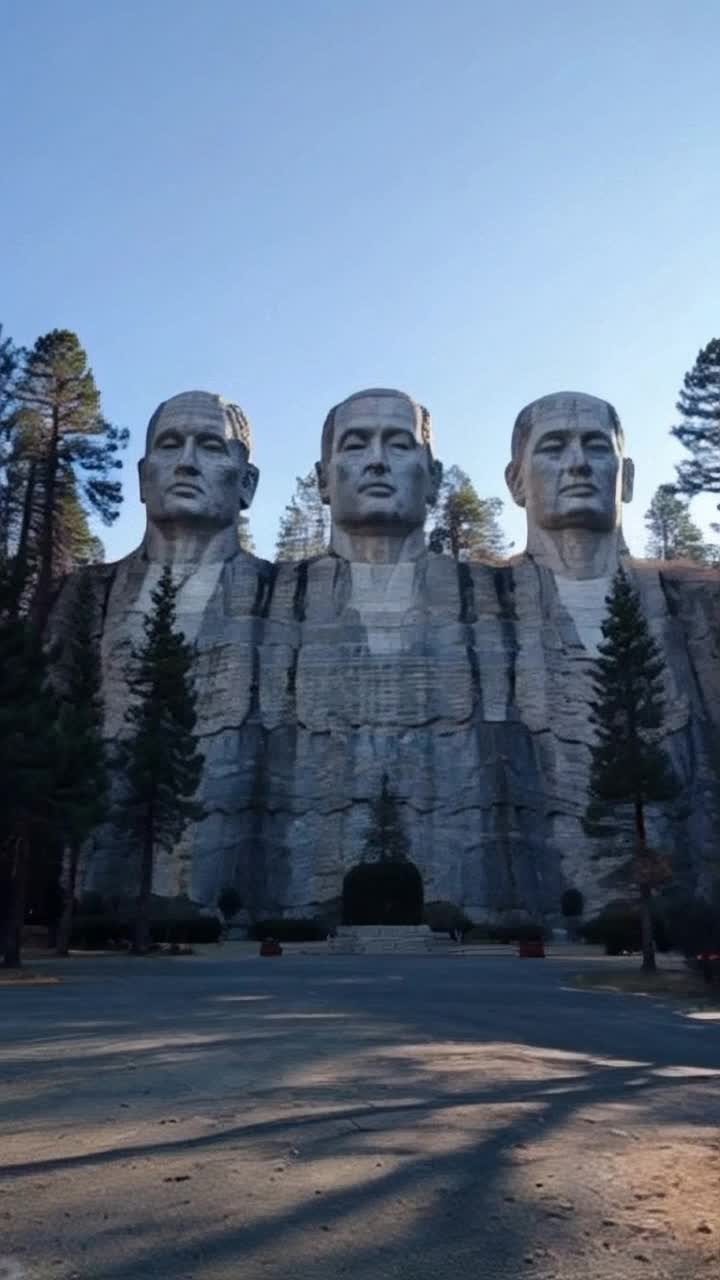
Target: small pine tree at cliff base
{"x": 629, "y": 765}
{"x": 385, "y": 888}
{"x": 159, "y": 759}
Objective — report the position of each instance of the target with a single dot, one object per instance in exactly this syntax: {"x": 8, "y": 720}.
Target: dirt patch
{"x": 23, "y": 978}
{"x": 680, "y": 984}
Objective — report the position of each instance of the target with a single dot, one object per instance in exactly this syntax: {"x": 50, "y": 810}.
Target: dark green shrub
{"x": 229, "y": 901}
{"x": 692, "y": 924}
{"x": 98, "y": 931}
{"x": 179, "y": 908}
{"x": 445, "y": 917}
{"x": 289, "y": 930}
{"x": 91, "y": 903}
{"x": 385, "y": 892}
{"x": 506, "y": 933}
{"x": 194, "y": 929}
{"x": 527, "y": 932}
{"x": 479, "y": 933}
{"x": 572, "y": 903}
{"x": 618, "y": 929}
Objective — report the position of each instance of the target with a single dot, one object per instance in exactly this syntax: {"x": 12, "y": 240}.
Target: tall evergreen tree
{"x": 28, "y": 761}
{"x": 304, "y": 524}
{"x": 673, "y": 534}
{"x": 71, "y": 449}
{"x": 160, "y": 761}
{"x": 385, "y": 887}
{"x": 629, "y": 765}
{"x": 386, "y": 840}
{"x": 699, "y": 430}
{"x": 81, "y": 794}
{"x": 465, "y": 525}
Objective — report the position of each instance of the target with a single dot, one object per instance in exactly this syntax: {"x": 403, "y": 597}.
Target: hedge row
{"x": 97, "y": 931}
{"x": 298, "y": 930}
{"x": 506, "y": 933}
{"x": 619, "y": 929}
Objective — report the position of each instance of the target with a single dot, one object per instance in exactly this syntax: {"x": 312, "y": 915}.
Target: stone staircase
{"x": 396, "y": 939}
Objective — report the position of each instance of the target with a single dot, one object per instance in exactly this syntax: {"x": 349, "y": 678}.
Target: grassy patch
{"x": 682, "y": 984}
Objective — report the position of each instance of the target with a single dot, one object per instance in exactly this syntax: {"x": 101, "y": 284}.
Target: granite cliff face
{"x": 467, "y": 684}
{"x": 219, "y": 609}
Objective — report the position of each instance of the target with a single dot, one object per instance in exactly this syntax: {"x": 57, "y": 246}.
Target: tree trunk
{"x": 141, "y": 943}
{"x": 15, "y": 917}
{"x": 43, "y": 589}
{"x": 646, "y": 920}
{"x": 646, "y": 928}
{"x": 20, "y": 566}
{"x": 65, "y": 927}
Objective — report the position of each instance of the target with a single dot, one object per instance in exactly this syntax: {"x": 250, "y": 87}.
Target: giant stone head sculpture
{"x": 567, "y": 467}
{"x": 197, "y": 469}
{"x": 377, "y": 471}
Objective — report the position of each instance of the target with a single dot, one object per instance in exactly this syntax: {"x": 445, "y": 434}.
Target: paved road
{"x": 369, "y": 1117}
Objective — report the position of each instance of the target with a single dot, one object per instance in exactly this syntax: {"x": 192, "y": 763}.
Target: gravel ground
{"x": 222, "y": 1117}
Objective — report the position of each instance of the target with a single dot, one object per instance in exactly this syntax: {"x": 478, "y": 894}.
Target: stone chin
{"x": 581, "y": 517}
{"x": 371, "y": 511}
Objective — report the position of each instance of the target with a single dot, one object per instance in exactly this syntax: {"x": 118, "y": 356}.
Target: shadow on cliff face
{"x": 360, "y": 1120}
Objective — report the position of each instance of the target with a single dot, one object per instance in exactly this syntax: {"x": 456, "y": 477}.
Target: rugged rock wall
{"x": 219, "y": 608}
{"x": 468, "y": 685}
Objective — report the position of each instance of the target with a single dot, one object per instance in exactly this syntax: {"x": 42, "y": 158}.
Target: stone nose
{"x": 377, "y": 466}
{"x": 377, "y": 461}
{"x": 577, "y": 463}
{"x": 187, "y": 462}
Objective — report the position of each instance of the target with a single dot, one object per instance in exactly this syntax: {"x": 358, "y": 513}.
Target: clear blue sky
{"x": 287, "y": 200}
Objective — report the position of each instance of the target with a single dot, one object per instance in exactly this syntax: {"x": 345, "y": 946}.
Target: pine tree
{"x": 465, "y": 525}
{"x": 673, "y": 533}
{"x": 81, "y": 794}
{"x": 699, "y": 431}
{"x": 70, "y": 451}
{"x": 28, "y": 761}
{"x": 385, "y": 887}
{"x": 304, "y": 524}
{"x": 628, "y": 764}
{"x": 160, "y": 761}
{"x": 386, "y": 840}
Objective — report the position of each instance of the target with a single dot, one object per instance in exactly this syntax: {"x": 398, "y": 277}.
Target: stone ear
{"x": 513, "y": 480}
{"x": 141, "y": 470}
{"x": 249, "y": 485}
{"x": 628, "y": 479}
{"x": 322, "y": 483}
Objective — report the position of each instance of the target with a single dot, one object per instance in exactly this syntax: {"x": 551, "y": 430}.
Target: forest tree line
{"x": 59, "y": 465}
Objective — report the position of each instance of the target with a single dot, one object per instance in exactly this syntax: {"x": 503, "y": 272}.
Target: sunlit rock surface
{"x": 468, "y": 685}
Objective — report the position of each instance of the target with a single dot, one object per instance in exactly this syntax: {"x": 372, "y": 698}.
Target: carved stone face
{"x": 378, "y": 474}
{"x": 572, "y": 473}
{"x": 195, "y": 470}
